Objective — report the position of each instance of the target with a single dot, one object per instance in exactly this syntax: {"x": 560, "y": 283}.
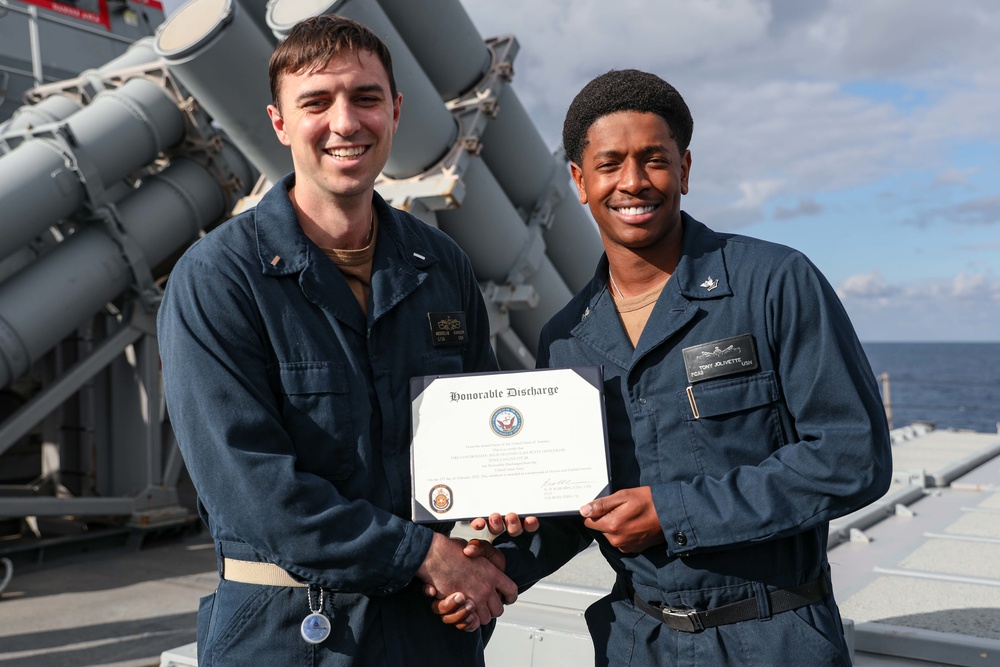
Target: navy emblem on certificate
{"x": 506, "y": 421}
{"x": 720, "y": 358}
{"x": 530, "y": 442}
{"x": 448, "y": 329}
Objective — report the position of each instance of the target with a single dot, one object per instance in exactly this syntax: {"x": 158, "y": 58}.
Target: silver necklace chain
{"x": 371, "y": 230}
{"x": 614, "y": 284}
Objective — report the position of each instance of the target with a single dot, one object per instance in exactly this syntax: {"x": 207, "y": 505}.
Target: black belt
{"x": 692, "y": 620}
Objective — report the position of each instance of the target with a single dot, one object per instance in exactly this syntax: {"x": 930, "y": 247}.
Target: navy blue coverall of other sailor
{"x": 292, "y": 413}
{"x": 745, "y": 490}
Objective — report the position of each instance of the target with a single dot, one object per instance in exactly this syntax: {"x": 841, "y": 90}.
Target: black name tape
{"x": 720, "y": 358}
{"x": 448, "y": 329}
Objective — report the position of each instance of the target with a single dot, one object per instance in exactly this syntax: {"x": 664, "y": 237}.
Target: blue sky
{"x": 866, "y": 134}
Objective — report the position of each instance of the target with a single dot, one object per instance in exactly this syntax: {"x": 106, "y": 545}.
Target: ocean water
{"x": 953, "y": 385}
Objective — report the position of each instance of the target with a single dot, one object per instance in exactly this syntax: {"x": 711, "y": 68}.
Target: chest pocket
{"x": 318, "y": 414}
{"x": 443, "y": 361}
{"x": 738, "y": 421}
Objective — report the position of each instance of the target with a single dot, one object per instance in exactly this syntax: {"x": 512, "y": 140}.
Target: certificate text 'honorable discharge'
{"x": 508, "y": 392}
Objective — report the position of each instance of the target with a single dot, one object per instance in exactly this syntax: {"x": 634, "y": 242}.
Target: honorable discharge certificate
{"x": 530, "y": 442}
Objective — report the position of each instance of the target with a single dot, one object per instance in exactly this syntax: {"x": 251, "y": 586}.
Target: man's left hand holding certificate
{"x": 525, "y": 442}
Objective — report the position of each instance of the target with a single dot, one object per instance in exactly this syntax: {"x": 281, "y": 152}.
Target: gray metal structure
{"x": 108, "y": 174}
{"x": 104, "y": 177}
{"x": 39, "y": 46}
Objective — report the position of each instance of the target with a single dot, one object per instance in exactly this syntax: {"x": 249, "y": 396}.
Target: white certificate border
{"x": 594, "y": 375}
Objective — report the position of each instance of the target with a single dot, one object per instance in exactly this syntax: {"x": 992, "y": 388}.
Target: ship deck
{"x": 915, "y": 575}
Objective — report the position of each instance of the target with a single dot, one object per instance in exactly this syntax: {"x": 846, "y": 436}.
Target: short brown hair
{"x": 313, "y": 42}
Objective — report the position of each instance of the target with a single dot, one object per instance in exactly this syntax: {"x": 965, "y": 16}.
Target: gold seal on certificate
{"x": 530, "y": 442}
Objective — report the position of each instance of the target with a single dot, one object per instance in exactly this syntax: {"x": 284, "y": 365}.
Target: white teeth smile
{"x": 346, "y": 152}
{"x": 635, "y": 210}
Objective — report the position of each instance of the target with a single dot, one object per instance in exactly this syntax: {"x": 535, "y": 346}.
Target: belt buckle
{"x": 685, "y": 620}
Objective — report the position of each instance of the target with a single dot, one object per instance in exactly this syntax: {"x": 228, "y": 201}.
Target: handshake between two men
{"x": 466, "y": 579}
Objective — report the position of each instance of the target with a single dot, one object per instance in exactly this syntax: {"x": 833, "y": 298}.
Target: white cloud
{"x": 984, "y": 210}
{"x": 965, "y": 307}
{"x": 867, "y": 286}
{"x": 804, "y": 208}
{"x": 980, "y": 211}
{"x": 891, "y": 320}
{"x": 764, "y": 81}
{"x": 954, "y": 176}
{"x": 755, "y": 193}
{"x": 975, "y": 286}
{"x": 979, "y": 286}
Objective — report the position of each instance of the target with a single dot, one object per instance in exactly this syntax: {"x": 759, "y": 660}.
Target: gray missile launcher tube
{"x": 59, "y": 106}
{"x": 42, "y": 180}
{"x": 50, "y": 110}
{"x": 492, "y": 234}
{"x": 427, "y": 130}
{"x": 80, "y": 275}
{"x": 217, "y": 52}
{"x": 257, "y": 11}
{"x": 452, "y": 53}
{"x": 444, "y": 41}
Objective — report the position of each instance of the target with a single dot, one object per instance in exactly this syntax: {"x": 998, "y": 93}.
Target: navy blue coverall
{"x": 745, "y": 488}
{"x": 292, "y": 409}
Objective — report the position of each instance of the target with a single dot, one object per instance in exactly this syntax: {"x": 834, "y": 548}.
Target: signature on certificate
{"x": 565, "y": 483}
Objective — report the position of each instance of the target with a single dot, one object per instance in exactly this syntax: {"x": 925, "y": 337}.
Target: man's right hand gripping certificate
{"x": 530, "y": 442}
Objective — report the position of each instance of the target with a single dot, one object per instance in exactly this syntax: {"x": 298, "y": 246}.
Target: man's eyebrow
{"x": 322, "y": 92}
{"x": 614, "y": 153}
{"x": 600, "y": 155}
{"x": 369, "y": 88}
{"x": 309, "y": 94}
{"x": 654, "y": 148}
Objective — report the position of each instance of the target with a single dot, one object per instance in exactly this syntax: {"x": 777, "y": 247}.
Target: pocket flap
{"x": 313, "y": 377}
{"x": 721, "y": 397}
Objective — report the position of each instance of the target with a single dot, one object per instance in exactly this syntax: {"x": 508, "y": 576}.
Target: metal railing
{"x": 34, "y": 17}
{"x": 889, "y": 404}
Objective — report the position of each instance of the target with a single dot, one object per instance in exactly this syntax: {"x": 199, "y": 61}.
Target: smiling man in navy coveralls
{"x": 289, "y": 336}
{"x": 742, "y": 412}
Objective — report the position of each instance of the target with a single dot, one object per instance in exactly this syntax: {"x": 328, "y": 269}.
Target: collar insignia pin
{"x": 710, "y": 284}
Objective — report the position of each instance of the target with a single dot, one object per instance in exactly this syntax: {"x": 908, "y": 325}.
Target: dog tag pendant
{"x": 315, "y": 627}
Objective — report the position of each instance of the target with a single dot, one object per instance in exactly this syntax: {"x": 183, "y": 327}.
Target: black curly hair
{"x": 625, "y": 90}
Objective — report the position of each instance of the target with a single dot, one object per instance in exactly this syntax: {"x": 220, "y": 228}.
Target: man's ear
{"x": 278, "y": 123}
{"x": 397, "y": 104}
{"x": 577, "y": 173}
{"x": 685, "y": 171}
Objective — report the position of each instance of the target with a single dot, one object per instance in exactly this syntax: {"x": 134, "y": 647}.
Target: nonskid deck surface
{"x": 121, "y": 609}
{"x": 924, "y": 582}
